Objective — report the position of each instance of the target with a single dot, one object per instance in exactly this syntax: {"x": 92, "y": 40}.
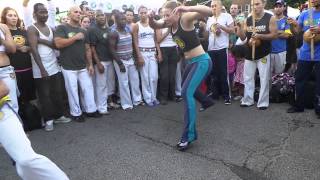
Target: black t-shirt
{"x": 99, "y": 38}
{"x": 20, "y": 60}
{"x": 72, "y": 57}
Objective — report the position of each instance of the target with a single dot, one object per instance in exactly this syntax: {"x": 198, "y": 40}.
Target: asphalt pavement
{"x": 233, "y": 143}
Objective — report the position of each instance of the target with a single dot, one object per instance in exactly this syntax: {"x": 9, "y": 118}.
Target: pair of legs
{"x": 129, "y": 89}
{"x": 149, "y": 77}
{"x": 167, "y": 69}
{"x": 195, "y": 72}
{"x": 250, "y": 67}
{"x": 71, "y": 78}
{"x": 104, "y": 85}
{"x": 29, "y": 164}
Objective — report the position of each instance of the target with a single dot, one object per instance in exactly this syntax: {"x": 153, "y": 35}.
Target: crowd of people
{"x": 91, "y": 62}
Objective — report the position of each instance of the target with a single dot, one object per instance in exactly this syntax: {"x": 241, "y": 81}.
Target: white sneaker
{"x": 62, "y": 119}
{"x": 114, "y": 105}
{"x": 49, "y": 126}
{"x": 104, "y": 112}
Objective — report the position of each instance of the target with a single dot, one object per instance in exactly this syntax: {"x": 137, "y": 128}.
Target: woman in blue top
{"x": 180, "y": 19}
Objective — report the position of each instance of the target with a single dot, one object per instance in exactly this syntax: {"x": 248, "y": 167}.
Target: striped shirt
{"x": 124, "y": 46}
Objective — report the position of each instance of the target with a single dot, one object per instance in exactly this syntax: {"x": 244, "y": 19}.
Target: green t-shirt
{"x": 72, "y": 57}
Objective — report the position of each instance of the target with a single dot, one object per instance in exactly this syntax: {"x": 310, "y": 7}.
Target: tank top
{"x": 47, "y": 55}
{"x": 186, "y": 40}
{"x": 262, "y": 27}
{"x": 168, "y": 40}
{"x": 124, "y": 46}
{"x": 146, "y": 36}
{"x": 2, "y": 48}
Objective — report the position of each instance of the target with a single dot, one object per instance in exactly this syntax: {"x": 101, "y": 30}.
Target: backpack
{"x": 30, "y": 116}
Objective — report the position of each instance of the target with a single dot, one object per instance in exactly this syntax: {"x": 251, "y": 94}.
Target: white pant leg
{"x": 124, "y": 89}
{"x": 71, "y": 84}
{"x": 249, "y": 72}
{"x": 134, "y": 84}
{"x": 145, "y": 78}
{"x": 178, "y": 88}
{"x": 29, "y": 165}
{"x": 8, "y": 76}
{"x": 101, "y": 89}
{"x": 110, "y": 77}
{"x": 277, "y": 63}
{"x": 153, "y": 75}
{"x": 264, "y": 74}
{"x": 86, "y": 86}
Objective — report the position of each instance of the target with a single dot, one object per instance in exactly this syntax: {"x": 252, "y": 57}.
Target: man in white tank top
{"x": 146, "y": 47}
{"x": 46, "y": 71}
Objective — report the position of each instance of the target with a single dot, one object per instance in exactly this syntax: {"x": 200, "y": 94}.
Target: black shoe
{"x": 79, "y": 119}
{"x": 294, "y": 110}
{"x": 183, "y": 146}
{"x": 163, "y": 102}
{"x": 178, "y": 99}
{"x": 94, "y": 115}
{"x": 263, "y": 108}
{"x": 245, "y": 105}
{"x": 227, "y": 101}
{"x": 204, "y": 107}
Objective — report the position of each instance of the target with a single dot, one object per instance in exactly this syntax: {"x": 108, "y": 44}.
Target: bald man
{"x": 76, "y": 62}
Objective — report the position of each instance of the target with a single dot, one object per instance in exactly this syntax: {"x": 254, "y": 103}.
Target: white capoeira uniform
{"x": 8, "y": 76}
{"x": 75, "y": 72}
{"x": 129, "y": 85}
{"x": 148, "y": 72}
{"x": 29, "y": 164}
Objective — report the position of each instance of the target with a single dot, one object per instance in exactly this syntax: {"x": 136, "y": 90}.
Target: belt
{"x": 147, "y": 49}
{"x": 126, "y": 58}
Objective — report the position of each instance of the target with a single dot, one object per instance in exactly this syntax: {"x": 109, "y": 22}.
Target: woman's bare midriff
{"x": 197, "y": 51}
{"x": 4, "y": 59}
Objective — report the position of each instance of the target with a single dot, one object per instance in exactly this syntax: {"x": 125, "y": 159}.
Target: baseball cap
{"x": 279, "y": 2}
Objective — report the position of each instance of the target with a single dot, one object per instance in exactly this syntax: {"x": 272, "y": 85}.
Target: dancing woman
{"x": 180, "y": 20}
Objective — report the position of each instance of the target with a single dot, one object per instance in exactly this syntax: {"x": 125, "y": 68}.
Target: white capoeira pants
{"x": 29, "y": 165}
{"x": 179, "y": 79}
{"x": 104, "y": 85}
{"x": 8, "y": 76}
{"x": 128, "y": 84}
{"x": 278, "y": 62}
{"x": 71, "y": 78}
{"x": 149, "y": 77}
{"x": 250, "y": 67}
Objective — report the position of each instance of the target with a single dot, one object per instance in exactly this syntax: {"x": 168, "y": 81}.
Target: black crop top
{"x": 186, "y": 40}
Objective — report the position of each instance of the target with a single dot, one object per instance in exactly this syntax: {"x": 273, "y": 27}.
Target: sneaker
{"x": 178, "y": 99}
{"x": 62, "y": 119}
{"x": 104, "y": 112}
{"x": 79, "y": 119}
{"x": 141, "y": 103}
{"x": 156, "y": 102}
{"x": 150, "y": 104}
{"x": 182, "y": 146}
{"x": 114, "y": 105}
{"x": 263, "y": 108}
{"x": 204, "y": 107}
{"x": 294, "y": 109}
{"x": 245, "y": 105}
{"x": 237, "y": 98}
{"x": 94, "y": 115}
{"x": 227, "y": 101}
{"x": 49, "y": 126}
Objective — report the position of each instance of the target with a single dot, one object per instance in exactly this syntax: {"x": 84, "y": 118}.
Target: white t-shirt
{"x": 168, "y": 40}
{"x": 221, "y": 41}
{"x": 146, "y": 36}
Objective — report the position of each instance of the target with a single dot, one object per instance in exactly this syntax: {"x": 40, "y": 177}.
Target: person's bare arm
{"x": 7, "y": 42}
{"x": 294, "y": 26}
{"x": 33, "y": 41}
{"x": 228, "y": 29}
{"x": 89, "y": 59}
{"x": 241, "y": 31}
{"x": 161, "y": 36}
{"x": 157, "y": 44}
{"x": 192, "y": 13}
{"x": 4, "y": 90}
{"x": 135, "y": 34}
{"x": 65, "y": 42}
